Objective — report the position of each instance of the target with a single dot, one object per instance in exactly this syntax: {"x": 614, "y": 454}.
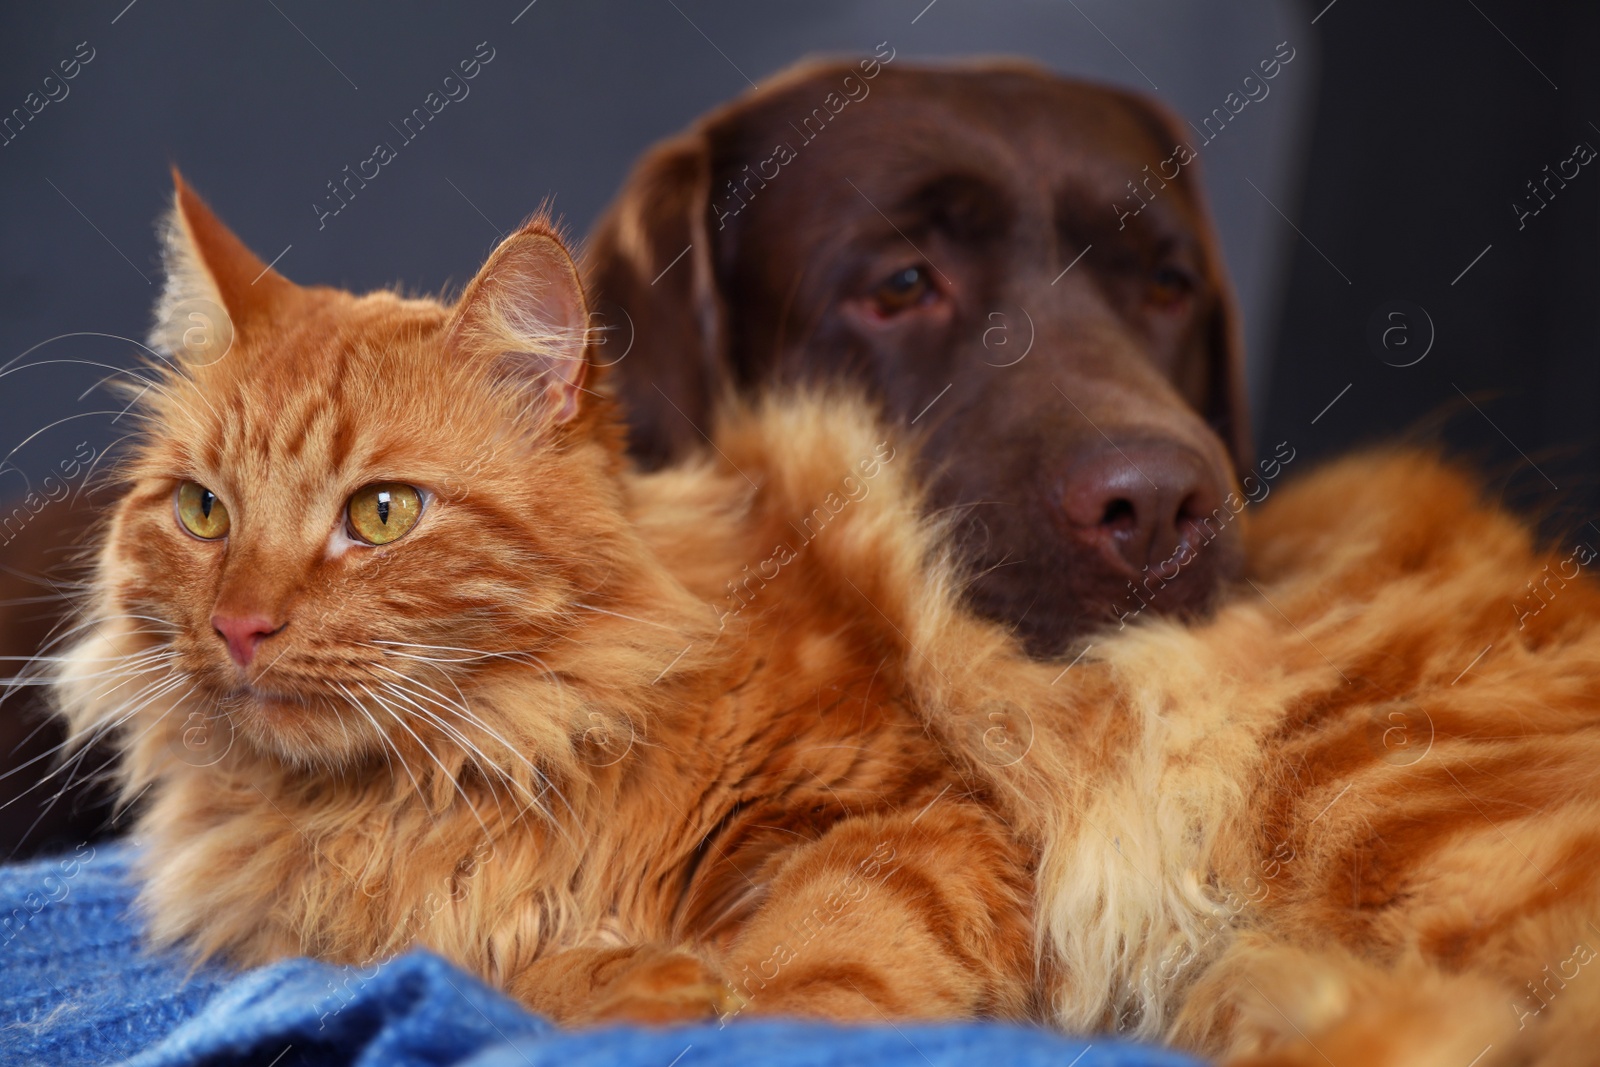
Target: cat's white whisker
{"x": 468, "y": 746}
{"x": 101, "y": 694}
{"x": 465, "y": 713}
{"x": 151, "y": 692}
{"x": 80, "y": 747}
{"x": 630, "y": 618}
{"x": 427, "y": 806}
{"x": 546, "y": 786}
{"x": 9, "y": 365}
{"x": 386, "y": 739}
{"x": 122, "y": 803}
{"x": 35, "y": 674}
{"x": 471, "y": 748}
{"x": 453, "y": 779}
{"x": 142, "y": 697}
{"x": 469, "y": 655}
{"x": 344, "y": 730}
{"x": 92, "y": 479}
{"x": 385, "y": 745}
{"x": 64, "y": 634}
{"x": 50, "y": 426}
{"x": 415, "y": 699}
{"x": 129, "y": 665}
{"x": 52, "y": 658}
{"x": 68, "y": 743}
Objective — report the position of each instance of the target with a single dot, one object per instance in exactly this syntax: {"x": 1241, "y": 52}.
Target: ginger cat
{"x": 384, "y": 556}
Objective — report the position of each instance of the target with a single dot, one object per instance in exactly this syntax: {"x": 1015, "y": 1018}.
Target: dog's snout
{"x": 1141, "y": 503}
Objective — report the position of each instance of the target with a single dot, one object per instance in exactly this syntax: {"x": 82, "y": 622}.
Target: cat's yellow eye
{"x": 201, "y": 512}
{"x": 383, "y": 512}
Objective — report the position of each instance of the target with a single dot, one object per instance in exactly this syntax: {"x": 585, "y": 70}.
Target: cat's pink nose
{"x": 243, "y": 633}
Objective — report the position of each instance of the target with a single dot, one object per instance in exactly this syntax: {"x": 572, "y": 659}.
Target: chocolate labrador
{"x": 1019, "y": 267}
{"x": 1015, "y": 265}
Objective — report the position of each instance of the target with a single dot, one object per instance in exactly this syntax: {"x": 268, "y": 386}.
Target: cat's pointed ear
{"x": 525, "y": 314}
{"x": 210, "y": 274}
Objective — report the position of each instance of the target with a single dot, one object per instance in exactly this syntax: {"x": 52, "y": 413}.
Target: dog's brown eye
{"x": 903, "y": 290}
{"x": 1169, "y": 286}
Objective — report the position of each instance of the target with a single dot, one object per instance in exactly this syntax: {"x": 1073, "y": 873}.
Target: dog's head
{"x": 1016, "y": 265}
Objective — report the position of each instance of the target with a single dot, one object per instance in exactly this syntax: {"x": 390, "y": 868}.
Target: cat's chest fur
{"x": 671, "y": 831}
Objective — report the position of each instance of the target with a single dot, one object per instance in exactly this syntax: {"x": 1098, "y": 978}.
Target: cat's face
{"x": 341, "y": 526}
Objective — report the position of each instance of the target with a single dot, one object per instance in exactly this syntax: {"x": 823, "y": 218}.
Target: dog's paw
{"x": 656, "y": 987}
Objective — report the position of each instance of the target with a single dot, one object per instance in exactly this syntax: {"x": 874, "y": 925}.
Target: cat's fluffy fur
{"x": 520, "y": 735}
{"x": 1353, "y": 819}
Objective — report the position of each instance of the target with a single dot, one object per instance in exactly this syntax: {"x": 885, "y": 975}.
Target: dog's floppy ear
{"x": 649, "y": 267}
{"x": 1226, "y": 401}
{"x": 1227, "y": 406}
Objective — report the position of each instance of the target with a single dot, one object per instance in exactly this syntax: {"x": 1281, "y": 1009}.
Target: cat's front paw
{"x": 658, "y": 986}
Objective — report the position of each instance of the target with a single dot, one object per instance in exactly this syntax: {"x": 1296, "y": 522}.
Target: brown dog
{"x": 961, "y": 242}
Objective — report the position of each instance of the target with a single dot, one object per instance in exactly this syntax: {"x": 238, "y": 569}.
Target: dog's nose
{"x": 1141, "y": 502}
{"x": 243, "y": 633}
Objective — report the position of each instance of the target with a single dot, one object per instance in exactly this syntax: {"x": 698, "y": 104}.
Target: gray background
{"x": 262, "y": 104}
{"x": 1385, "y": 158}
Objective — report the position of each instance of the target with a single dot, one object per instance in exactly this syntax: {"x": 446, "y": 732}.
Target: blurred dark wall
{"x": 263, "y": 104}
{"x": 1432, "y": 117}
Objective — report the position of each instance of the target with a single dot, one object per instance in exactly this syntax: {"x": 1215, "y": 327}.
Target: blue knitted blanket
{"x": 77, "y": 986}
